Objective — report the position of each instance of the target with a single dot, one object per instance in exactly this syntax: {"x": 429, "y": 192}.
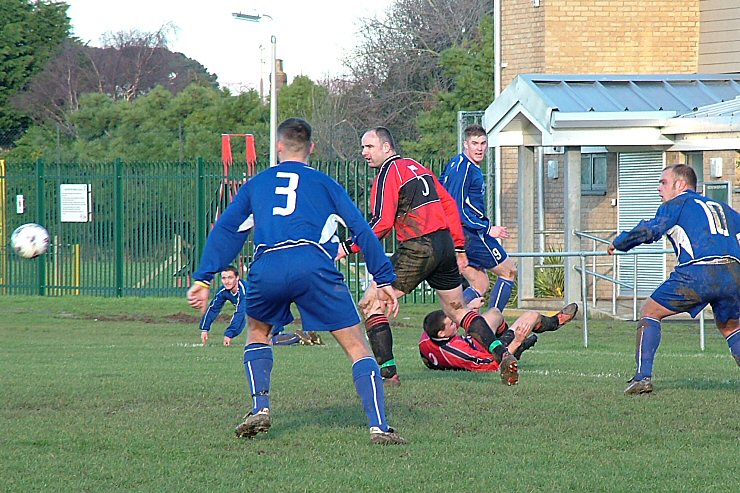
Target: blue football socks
{"x": 369, "y": 385}
{"x": 500, "y": 294}
{"x": 648, "y": 340}
{"x": 258, "y": 366}
{"x": 469, "y": 294}
{"x": 733, "y": 341}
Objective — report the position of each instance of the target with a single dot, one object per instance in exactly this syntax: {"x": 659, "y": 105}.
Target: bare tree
{"x": 335, "y": 136}
{"x": 56, "y": 90}
{"x": 395, "y": 69}
{"x": 135, "y": 60}
{"x": 130, "y": 64}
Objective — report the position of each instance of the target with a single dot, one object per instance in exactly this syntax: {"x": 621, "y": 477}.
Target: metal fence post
{"x": 118, "y": 222}
{"x": 200, "y": 211}
{"x": 593, "y": 279}
{"x": 41, "y": 260}
{"x": 634, "y": 288}
{"x": 584, "y": 300}
{"x": 614, "y": 285}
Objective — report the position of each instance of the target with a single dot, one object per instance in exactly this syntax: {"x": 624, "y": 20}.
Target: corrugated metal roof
{"x": 724, "y": 109}
{"x": 614, "y": 93}
{"x": 613, "y": 110}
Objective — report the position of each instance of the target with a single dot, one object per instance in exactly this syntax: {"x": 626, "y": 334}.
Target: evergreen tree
{"x": 31, "y": 33}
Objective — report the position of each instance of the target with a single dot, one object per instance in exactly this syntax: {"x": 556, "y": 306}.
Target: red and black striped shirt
{"x": 455, "y": 353}
{"x": 406, "y": 195}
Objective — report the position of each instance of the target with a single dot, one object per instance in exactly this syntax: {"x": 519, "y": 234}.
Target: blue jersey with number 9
{"x": 701, "y": 230}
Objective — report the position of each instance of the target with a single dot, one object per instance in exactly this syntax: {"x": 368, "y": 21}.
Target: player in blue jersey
{"x": 234, "y": 291}
{"x": 705, "y": 235}
{"x": 463, "y": 179}
{"x": 295, "y": 211}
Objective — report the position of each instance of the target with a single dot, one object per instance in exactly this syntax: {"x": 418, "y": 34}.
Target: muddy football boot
{"x": 390, "y": 437}
{"x": 637, "y": 387}
{"x": 254, "y": 423}
{"x": 509, "y": 369}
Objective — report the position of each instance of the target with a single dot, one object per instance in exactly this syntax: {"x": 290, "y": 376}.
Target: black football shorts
{"x": 428, "y": 258}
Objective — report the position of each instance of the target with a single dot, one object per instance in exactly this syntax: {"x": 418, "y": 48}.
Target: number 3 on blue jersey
{"x": 289, "y": 192}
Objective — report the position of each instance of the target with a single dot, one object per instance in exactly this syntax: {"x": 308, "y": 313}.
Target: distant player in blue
{"x": 463, "y": 179}
{"x": 234, "y": 291}
{"x": 295, "y": 211}
{"x": 705, "y": 235}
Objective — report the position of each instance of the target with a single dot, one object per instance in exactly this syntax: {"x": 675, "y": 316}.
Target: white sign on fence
{"x": 75, "y": 203}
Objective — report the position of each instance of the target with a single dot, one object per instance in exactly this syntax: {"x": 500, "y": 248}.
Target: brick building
{"x": 604, "y": 54}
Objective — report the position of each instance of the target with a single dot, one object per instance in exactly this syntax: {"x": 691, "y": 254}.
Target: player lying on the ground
{"x": 442, "y": 348}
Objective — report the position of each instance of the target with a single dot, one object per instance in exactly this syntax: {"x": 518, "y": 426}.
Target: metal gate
{"x": 145, "y": 228}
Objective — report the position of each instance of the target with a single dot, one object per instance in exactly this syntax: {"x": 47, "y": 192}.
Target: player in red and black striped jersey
{"x": 442, "y": 348}
{"x": 408, "y": 197}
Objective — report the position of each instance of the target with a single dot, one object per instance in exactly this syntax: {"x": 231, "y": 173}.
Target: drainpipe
{"x": 541, "y": 199}
{"x": 496, "y": 92}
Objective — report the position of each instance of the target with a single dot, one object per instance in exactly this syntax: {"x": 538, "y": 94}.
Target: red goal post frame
{"x": 228, "y": 187}
{"x": 250, "y": 152}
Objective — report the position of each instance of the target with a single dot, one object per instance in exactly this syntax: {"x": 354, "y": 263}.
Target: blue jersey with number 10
{"x": 701, "y": 230}
{"x": 291, "y": 205}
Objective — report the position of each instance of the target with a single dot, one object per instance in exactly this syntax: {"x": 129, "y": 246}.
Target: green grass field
{"x": 103, "y": 394}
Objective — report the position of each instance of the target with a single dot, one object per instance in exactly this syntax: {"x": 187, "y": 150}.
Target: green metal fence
{"x": 146, "y": 227}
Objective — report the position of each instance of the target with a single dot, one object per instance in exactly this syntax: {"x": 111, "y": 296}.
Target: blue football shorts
{"x": 303, "y": 275}
{"x": 691, "y": 288}
{"x": 483, "y": 251}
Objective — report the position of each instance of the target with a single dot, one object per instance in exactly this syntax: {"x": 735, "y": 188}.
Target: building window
{"x": 593, "y": 174}
{"x": 696, "y": 161}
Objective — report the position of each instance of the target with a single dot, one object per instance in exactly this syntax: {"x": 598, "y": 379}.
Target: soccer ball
{"x": 30, "y": 240}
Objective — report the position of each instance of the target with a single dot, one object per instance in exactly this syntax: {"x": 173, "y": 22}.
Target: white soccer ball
{"x": 30, "y": 240}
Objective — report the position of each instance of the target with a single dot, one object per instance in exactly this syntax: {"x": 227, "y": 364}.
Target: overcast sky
{"x": 312, "y": 36}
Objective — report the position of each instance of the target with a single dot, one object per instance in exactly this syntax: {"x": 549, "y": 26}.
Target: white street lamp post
{"x": 273, "y": 104}
{"x": 273, "y": 83}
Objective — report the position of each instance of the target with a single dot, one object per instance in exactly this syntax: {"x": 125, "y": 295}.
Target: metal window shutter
{"x": 638, "y": 199}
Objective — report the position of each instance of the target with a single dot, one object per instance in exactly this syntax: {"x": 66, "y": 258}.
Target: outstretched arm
{"x": 210, "y": 313}
{"x": 648, "y": 231}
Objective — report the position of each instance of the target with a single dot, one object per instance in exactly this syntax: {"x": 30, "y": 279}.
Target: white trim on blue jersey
{"x": 291, "y": 205}
{"x": 701, "y": 230}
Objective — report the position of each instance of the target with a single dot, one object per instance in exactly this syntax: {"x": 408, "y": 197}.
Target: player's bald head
{"x": 384, "y": 136}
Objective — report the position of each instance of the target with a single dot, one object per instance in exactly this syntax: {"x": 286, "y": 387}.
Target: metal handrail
{"x": 583, "y": 254}
{"x": 584, "y": 272}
